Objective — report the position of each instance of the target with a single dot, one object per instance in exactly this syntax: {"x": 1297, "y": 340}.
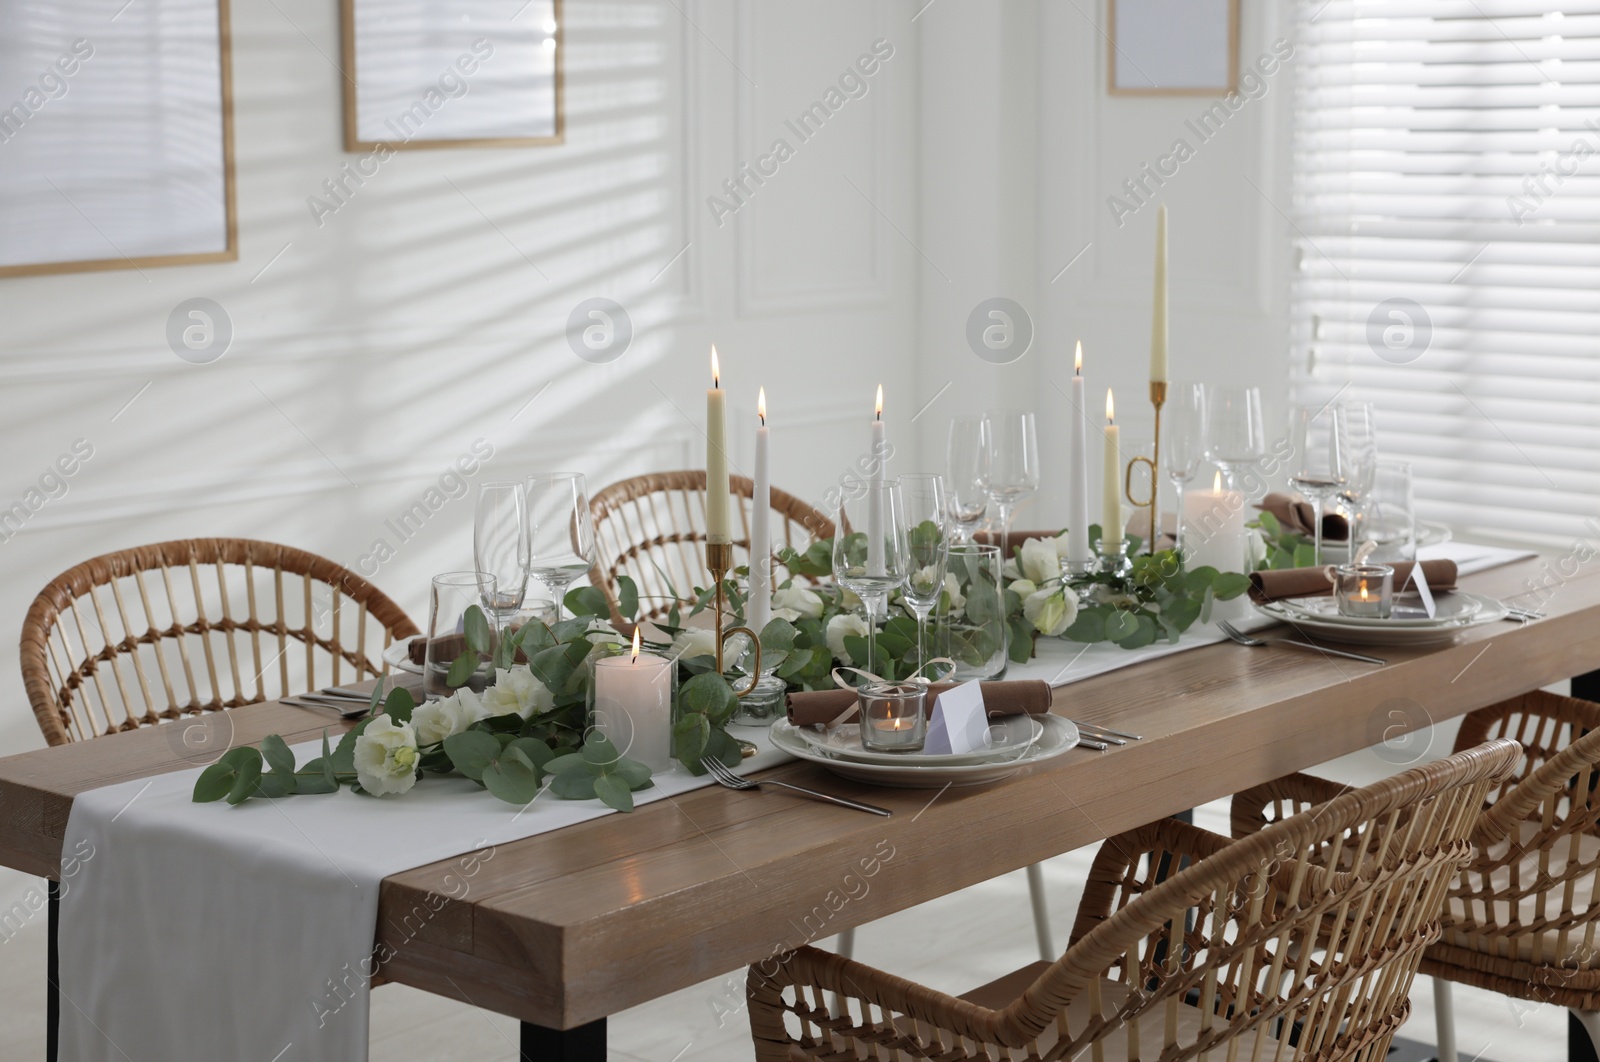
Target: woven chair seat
{"x": 1564, "y": 938}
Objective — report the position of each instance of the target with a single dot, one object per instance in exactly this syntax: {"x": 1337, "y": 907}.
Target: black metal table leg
{"x": 52, "y": 966}
{"x": 586, "y": 1043}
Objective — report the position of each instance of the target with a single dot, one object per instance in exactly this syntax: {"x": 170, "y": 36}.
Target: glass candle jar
{"x": 892, "y": 718}
{"x": 1364, "y": 591}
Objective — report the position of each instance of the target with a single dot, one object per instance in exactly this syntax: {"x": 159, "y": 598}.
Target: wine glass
{"x": 500, "y": 544}
{"x": 871, "y": 558}
{"x": 1321, "y": 458}
{"x": 560, "y": 531}
{"x": 927, "y": 547}
{"x": 1236, "y": 436}
{"x": 967, "y": 470}
{"x": 1361, "y": 442}
{"x": 1183, "y": 440}
{"x": 1013, "y": 466}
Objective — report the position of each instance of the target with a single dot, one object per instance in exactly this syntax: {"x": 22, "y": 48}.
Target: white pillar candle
{"x": 1078, "y": 551}
{"x": 1213, "y": 528}
{"x": 1111, "y": 487}
{"x": 760, "y": 608}
{"x": 633, "y": 705}
{"x": 1158, "y": 322}
{"x": 716, "y": 459}
{"x": 875, "y": 564}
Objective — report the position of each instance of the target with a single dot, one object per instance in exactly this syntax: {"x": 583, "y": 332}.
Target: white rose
{"x": 958, "y": 600}
{"x": 788, "y": 614}
{"x": 1061, "y": 545}
{"x": 518, "y": 690}
{"x": 1258, "y": 547}
{"x": 849, "y": 600}
{"x": 1022, "y": 588}
{"x": 1050, "y": 611}
{"x": 695, "y": 641}
{"x": 434, "y": 721}
{"x": 386, "y": 757}
{"x": 842, "y": 625}
{"x": 807, "y": 603}
{"x": 1040, "y": 561}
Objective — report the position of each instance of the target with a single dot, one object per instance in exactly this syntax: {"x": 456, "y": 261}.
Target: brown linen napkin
{"x": 450, "y": 647}
{"x": 1016, "y": 697}
{"x": 1314, "y": 582}
{"x": 1296, "y": 515}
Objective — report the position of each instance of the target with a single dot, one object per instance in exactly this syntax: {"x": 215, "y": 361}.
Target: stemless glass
{"x": 972, "y": 630}
{"x": 1320, "y": 460}
{"x": 927, "y": 548}
{"x": 1013, "y": 465}
{"x": 452, "y": 595}
{"x": 500, "y": 544}
{"x": 560, "y": 531}
{"x": 1389, "y": 519}
{"x": 871, "y": 558}
{"x": 1236, "y": 436}
{"x": 1183, "y": 441}
{"x": 967, "y": 475}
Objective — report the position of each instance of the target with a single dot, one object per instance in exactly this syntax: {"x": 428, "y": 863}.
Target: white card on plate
{"x": 959, "y": 725}
{"x": 1419, "y": 579}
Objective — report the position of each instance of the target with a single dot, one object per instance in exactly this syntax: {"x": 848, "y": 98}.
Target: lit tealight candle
{"x": 893, "y": 715}
{"x": 1364, "y": 590}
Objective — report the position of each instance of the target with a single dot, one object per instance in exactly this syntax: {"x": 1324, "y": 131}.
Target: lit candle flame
{"x": 1111, "y": 408}
{"x": 716, "y": 373}
{"x": 1077, "y": 360}
{"x": 636, "y": 645}
{"x": 877, "y": 413}
{"x": 1216, "y": 482}
{"x": 761, "y": 404}
{"x": 1363, "y": 590}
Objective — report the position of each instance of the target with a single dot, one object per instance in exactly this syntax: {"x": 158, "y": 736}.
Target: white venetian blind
{"x": 1447, "y": 155}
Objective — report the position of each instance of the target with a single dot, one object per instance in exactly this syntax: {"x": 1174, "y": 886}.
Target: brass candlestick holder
{"x": 1158, "y": 398}
{"x": 719, "y": 559}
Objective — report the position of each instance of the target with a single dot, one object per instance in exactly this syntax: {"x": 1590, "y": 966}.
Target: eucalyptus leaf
{"x": 475, "y": 628}
{"x": 634, "y": 773}
{"x": 275, "y": 785}
{"x": 613, "y": 792}
{"x": 1090, "y": 626}
{"x": 277, "y": 754}
{"x": 627, "y": 597}
{"x": 512, "y": 779}
{"x": 599, "y": 751}
{"x": 534, "y": 636}
{"x": 462, "y": 668}
{"x": 472, "y": 751}
{"x": 1121, "y": 626}
{"x": 564, "y": 763}
{"x": 587, "y": 601}
{"x": 249, "y": 773}
{"x": 399, "y": 705}
{"x": 214, "y": 783}
{"x": 573, "y": 785}
{"x": 1230, "y": 585}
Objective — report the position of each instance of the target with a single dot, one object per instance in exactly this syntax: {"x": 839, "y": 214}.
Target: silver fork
{"x": 725, "y": 777}
{"x": 1244, "y": 639}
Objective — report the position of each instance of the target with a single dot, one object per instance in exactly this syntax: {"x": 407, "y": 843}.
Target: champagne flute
{"x": 967, "y": 470}
{"x": 1183, "y": 443}
{"x": 1321, "y": 458}
{"x": 1361, "y": 441}
{"x": 871, "y": 560}
{"x": 1236, "y": 436}
{"x": 927, "y": 548}
{"x": 1013, "y": 466}
{"x": 560, "y": 531}
{"x": 500, "y": 544}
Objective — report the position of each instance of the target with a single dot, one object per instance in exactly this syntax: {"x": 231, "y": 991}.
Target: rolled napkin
{"x": 1016, "y": 697}
{"x": 1296, "y": 515}
{"x": 450, "y": 647}
{"x": 1314, "y": 582}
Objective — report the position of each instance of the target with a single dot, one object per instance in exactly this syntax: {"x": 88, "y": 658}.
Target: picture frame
{"x": 428, "y": 74}
{"x": 1172, "y": 47}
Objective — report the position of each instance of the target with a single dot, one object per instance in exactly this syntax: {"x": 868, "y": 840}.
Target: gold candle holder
{"x": 719, "y": 560}
{"x": 1158, "y": 398}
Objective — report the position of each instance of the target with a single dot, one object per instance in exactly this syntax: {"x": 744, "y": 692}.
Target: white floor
{"x": 935, "y": 943}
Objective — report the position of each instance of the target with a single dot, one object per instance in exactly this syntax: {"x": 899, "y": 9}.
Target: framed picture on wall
{"x": 452, "y": 73}
{"x": 116, "y": 135}
{"x": 1173, "y": 47}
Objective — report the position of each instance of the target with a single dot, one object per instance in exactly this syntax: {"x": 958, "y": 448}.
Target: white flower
{"x": 434, "y": 721}
{"x": 845, "y": 623}
{"x": 1258, "y": 547}
{"x": 958, "y": 600}
{"x": 386, "y": 757}
{"x": 603, "y": 633}
{"x": 1022, "y": 588}
{"x": 785, "y": 614}
{"x": 695, "y": 641}
{"x": 849, "y": 600}
{"x": 807, "y": 603}
{"x": 1050, "y": 611}
{"x": 518, "y": 690}
{"x": 1009, "y": 569}
{"x": 1061, "y": 545}
{"x": 1040, "y": 562}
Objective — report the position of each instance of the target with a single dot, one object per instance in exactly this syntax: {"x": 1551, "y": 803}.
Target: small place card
{"x": 1420, "y": 580}
{"x": 959, "y": 724}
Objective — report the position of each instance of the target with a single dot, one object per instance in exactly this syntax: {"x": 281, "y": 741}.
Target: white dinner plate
{"x": 1009, "y": 738}
{"x": 398, "y": 656}
{"x": 1408, "y": 610}
{"x": 1059, "y": 736}
{"x": 1490, "y": 611}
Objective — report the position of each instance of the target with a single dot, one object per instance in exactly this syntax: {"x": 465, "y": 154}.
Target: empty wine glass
{"x": 927, "y": 548}
{"x": 1236, "y": 436}
{"x": 1320, "y": 460}
{"x": 1013, "y": 466}
{"x": 500, "y": 544}
{"x": 1361, "y": 443}
{"x": 1183, "y": 441}
{"x": 560, "y": 531}
{"x": 871, "y": 558}
{"x": 967, "y": 475}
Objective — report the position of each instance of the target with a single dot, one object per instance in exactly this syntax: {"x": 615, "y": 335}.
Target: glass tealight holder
{"x": 1113, "y": 559}
{"x": 892, "y": 718}
{"x": 1364, "y": 591}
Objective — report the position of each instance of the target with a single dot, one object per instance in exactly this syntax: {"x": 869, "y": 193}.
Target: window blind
{"x": 1446, "y": 214}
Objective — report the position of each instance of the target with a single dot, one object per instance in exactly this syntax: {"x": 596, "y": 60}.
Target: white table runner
{"x": 203, "y": 931}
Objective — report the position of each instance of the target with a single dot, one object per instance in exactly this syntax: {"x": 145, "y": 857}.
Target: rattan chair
{"x": 1299, "y": 942}
{"x": 1521, "y": 920}
{"x": 652, "y": 529}
{"x": 150, "y": 634}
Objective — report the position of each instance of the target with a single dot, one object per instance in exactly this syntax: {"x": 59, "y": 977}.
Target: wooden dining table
{"x": 563, "y": 929}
